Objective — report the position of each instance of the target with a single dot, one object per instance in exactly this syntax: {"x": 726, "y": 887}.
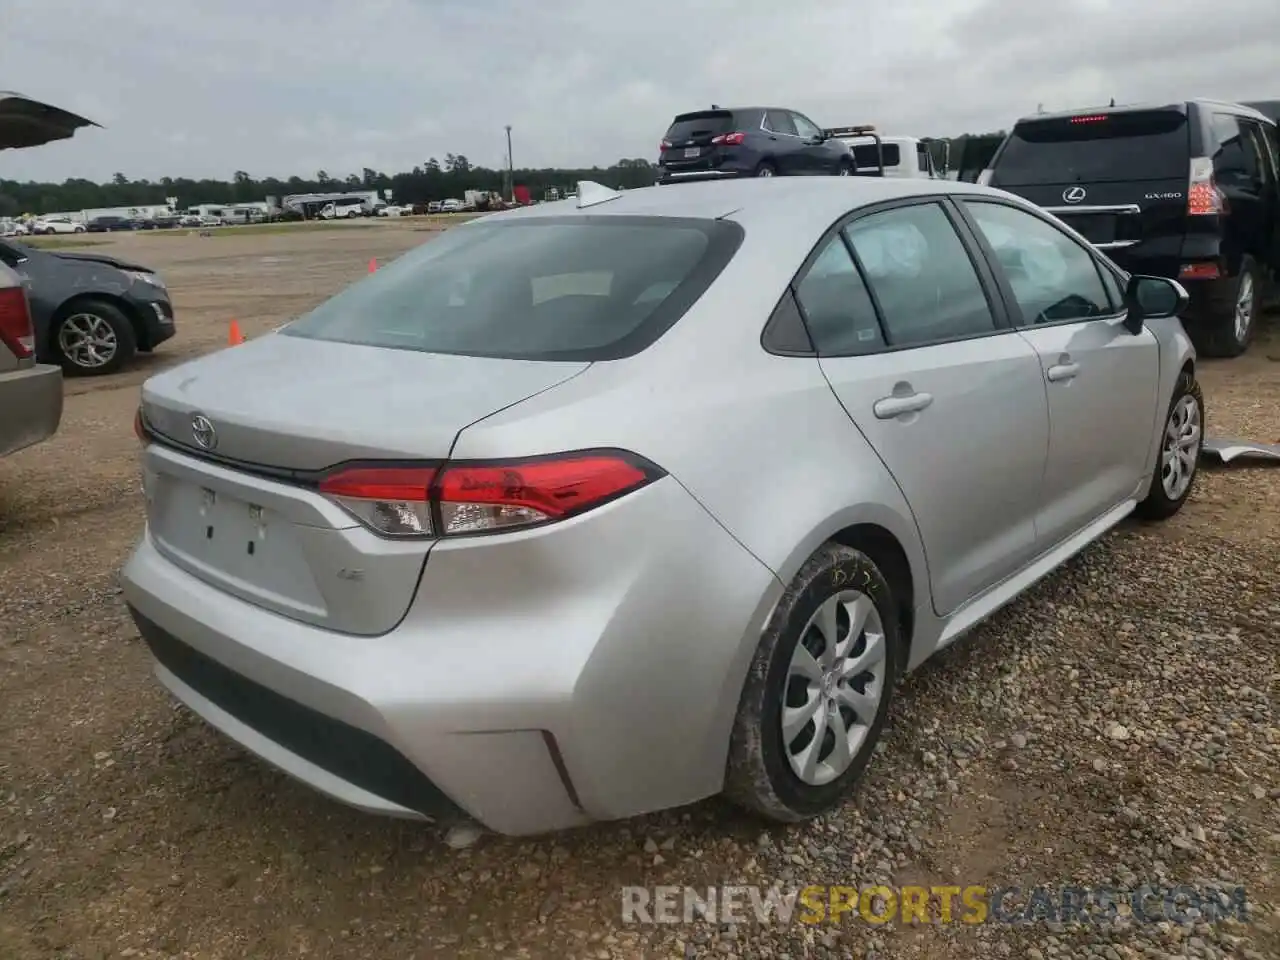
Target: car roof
{"x": 1238, "y": 108}
{"x": 753, "y": 201}
{"x": 720, "y": 109}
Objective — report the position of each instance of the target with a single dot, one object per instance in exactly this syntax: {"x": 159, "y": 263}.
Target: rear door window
{"x": 700, "y": 126}
{"x": 837, "y": 308}
{"x": 920, "y": 275}
{"x": 1234, "y": 161}
{"x": 1102, "y": 148}
{"x": 554, "y": 288}
{"x": 779, "y": 121}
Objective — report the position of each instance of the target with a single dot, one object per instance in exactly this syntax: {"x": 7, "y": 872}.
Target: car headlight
{"x": 143, "y": 277}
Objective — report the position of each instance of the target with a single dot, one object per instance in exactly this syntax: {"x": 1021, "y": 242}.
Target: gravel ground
{"x": 1118, "y": 726}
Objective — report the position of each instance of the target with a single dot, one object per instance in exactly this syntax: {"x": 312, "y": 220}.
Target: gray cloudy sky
{"x": 281, "y": 87}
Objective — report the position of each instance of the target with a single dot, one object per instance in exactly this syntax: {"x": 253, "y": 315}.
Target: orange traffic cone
{"x": 373, "y": 264}
{"x": 235, "y": 336}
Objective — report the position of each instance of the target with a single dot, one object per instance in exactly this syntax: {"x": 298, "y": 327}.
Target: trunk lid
{"x": 297, "y": 404}
{"x": 244, "y": 515}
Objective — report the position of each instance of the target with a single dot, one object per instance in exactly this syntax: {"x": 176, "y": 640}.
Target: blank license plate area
{"x": 223, "y": 538}
{"x": 1094, "y": 227}
{"x": 691, "y": 153}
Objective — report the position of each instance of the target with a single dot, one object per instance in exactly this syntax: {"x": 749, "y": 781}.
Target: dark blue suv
{"x": 749, "y": 142}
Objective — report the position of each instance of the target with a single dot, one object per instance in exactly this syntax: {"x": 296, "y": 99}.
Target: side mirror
{"x": 1153, "y": 298}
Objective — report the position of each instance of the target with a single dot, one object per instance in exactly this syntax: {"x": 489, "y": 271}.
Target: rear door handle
{"x": 1062, "y": 371}
{"x": 890, "y": 407}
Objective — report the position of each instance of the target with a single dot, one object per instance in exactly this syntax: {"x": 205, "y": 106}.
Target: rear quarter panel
{"x": 759, "y": 440}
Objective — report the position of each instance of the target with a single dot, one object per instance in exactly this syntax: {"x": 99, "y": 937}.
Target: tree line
{"x": 432, "y": 180}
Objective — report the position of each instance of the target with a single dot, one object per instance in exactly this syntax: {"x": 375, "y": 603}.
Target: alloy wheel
{"x": 87, "y": 340}
{"x": 1244, "y": 307}
{"x": 834, "y": 685}
{"x": 1181, "y": 448}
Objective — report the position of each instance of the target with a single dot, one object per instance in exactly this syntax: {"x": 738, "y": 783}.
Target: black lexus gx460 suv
{"x": 1189, "y": 191}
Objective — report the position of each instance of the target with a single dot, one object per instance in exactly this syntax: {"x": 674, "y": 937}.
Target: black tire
{"x": 1158, "y": 505}
{"x": 759, "y": 776}
{"x": 1214, "y": 331}
{"x": 765, "y": 169}
{"x": 126, "y": 341}
{"x": 844, "y": 168}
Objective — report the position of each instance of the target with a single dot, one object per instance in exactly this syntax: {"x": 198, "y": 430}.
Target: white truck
{"x": 342, "y": 209}
{"x": 902, "y": 157}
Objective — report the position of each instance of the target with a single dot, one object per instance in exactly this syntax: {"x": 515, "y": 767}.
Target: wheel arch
{"x": 893, "y": 544}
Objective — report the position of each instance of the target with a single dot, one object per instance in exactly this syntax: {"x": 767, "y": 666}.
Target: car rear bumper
{"x": 585, "y": 671}
{"x": 30, "y": 406}
{"x": 688, "y": 176}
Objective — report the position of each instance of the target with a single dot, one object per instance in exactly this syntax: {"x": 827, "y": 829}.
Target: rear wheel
{"x": 818, "y": 690}
{"x": 846, "y": 168}
{"x": 1226, "y": 328}
{"x": 92, "y": 338}
{"x": 766, "y": 169}
{"x": 1180, "y": 443}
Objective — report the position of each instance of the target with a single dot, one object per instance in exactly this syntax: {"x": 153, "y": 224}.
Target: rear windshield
{"x": 708, "y": 123}
{"x": 545, "y": 288}
{"x": 1139, "y": 145}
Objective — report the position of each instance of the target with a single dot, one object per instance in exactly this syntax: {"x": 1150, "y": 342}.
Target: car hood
{"x": 103, "y": 258}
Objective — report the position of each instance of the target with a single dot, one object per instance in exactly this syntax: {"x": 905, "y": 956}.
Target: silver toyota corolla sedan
{"x": 605, "y": 506}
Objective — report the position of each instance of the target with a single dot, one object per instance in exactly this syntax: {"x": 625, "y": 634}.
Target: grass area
{"x": 364, "y": 223}
{"x": 429, "y": 221}
{"x": 56, "y": 242}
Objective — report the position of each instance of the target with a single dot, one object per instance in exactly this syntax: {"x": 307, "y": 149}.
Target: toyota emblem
{"x": 202, "y": 430}
{"x": 1073, "y": 194}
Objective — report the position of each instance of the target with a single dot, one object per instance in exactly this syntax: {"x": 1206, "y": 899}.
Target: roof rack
{"x": 859, "y": 130}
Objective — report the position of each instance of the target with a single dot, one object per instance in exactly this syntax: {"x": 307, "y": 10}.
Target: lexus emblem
{"x": 202, "y": 431}
{"x": 1073, "y": 194}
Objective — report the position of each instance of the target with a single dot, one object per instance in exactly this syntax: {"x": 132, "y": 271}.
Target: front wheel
{"x": 1179, "y": 457}
{"x": 766, "y": 169}
{"x": 818, "y": 690}
{"x": 93, "y": 338}
{"x": 845, "y": 169}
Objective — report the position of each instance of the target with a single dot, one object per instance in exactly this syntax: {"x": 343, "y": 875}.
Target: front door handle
{"x": 890, "y": 407}
{"x": 1062, "y": 371}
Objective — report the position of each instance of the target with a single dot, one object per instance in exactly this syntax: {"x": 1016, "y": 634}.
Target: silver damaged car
{"x": 605, "y": 506}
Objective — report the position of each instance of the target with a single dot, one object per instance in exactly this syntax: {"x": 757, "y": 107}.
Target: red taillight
{"x": 729, "y": 139}
{"x": 16, "y": 330}
{"x": 1090, "y": 118}
{"x": 1204, "y": 199}
{"x": 478, "y": 498}
{"x": 468, "y": 498}
{"x": 1199, "y": 271}
{"x": 665, "y": 145}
